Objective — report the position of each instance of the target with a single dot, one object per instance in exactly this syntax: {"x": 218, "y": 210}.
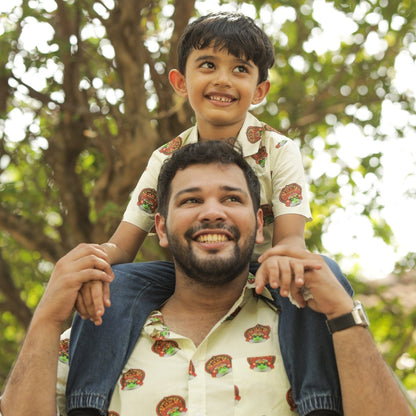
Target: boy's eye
{"x": 208, "y": 65}
{"x": 241, "y": 69}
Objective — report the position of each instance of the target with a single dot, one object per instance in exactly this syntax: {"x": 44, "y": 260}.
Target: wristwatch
{"x": 356, "y": 317}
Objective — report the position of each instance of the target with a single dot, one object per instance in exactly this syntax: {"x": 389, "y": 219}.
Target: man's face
{"x": 211, "y": 226}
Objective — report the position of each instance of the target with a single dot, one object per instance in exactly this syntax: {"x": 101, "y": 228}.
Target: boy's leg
{"x": 308, "y": 353}
{"x": 97, "y": 354}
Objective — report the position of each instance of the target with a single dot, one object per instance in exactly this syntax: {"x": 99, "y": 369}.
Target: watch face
{"x": 359, "y": 315}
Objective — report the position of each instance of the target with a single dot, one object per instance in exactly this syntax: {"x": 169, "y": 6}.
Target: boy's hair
{"x": 210, "y": 152}
{"x": 234, "y": 32}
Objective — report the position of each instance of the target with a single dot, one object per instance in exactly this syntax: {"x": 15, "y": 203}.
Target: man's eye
{"x": 233, "y": 198}
{"x": 208, "y": 65}
{"x": 189, "y": 201}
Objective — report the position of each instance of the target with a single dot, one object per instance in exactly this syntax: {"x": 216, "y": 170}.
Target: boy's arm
{"x": 124, "y": 244}
{"x": 289, "y": 229}
{"x": 277, "y": 270}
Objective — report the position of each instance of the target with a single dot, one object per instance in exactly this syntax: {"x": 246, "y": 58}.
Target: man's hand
{"x": 84, "y": 263}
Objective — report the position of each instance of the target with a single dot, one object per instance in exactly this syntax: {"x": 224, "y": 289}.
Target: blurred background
{"x": 85, "y": 99}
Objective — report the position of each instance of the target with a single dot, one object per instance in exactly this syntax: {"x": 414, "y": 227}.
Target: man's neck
{"x": 194, "y": 309}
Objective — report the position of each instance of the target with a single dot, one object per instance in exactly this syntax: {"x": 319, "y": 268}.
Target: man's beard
{"x": 211, "y": 270}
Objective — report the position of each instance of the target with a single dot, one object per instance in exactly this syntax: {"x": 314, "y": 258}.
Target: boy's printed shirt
{"x": 236, "y": 371}
{"x": 275, "y": 158}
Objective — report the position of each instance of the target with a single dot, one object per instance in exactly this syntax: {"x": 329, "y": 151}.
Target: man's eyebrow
{"x": 226, "y": 188}
{"x": 186, "y": 191}
{"x": 233, "y": 189}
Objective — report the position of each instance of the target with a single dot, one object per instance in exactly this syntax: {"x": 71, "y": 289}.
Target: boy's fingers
{"x": 80, "y": 307}
{"x": 96, "y": 291}
{"x": 106, "y": 294}
{"x": 285, "y": 267}
{"x": 298, "y": 273}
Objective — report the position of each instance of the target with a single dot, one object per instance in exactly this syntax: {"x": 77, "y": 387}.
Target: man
{"x": 211, "y": 348}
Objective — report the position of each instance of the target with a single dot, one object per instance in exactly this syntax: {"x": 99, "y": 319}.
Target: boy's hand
{"x": 93, "y": 298}
{"x": 287, "y": 273}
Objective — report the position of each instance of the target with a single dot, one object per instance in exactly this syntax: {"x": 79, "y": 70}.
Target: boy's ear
{"x": 262, "y": 90}
{"x": 177, "y": 80}
{"x": 160, "y": 226}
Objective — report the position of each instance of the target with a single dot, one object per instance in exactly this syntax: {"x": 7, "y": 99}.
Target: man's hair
{"x": 234, "y": 32}
{"x": 205, "y": 153}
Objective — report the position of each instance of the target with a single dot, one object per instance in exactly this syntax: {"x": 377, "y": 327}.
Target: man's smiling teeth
{"x": 211, "y": 238}
{"x": 222, "y": 99}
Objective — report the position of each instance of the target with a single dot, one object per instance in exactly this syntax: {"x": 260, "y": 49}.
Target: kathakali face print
{"x": 291, "y": 195}
{"x": 268, "y": 216}
{"x": 254, "y": 134}
{"x": 165, "y": 348}
{"x": 262, "y": 363}
{"x": 261, "y": 156}
{"x": 132, "y": 379}
{"x": 171, "y": 406}
{"x": 257, "y": 334}
{"x": 219, "y": 365}
{"x": 64, "y": 351}
{"x": 172, "y": 146}
{"x": 290, "y": 400}
{"x": 147, "y": 200}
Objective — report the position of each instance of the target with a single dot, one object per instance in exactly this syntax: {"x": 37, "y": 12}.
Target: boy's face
{"x": 220, "y": 88}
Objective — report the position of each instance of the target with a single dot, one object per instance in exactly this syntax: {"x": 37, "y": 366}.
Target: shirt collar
{"x": 248, "y": 139}
{"x": 156, "y": 328}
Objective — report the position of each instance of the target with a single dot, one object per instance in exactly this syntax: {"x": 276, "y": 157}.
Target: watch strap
{"x": 340, "y": 323}
{"x": 357, "y": 317}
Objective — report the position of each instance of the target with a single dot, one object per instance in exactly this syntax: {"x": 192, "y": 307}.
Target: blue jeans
{"x": 97, "y": 354}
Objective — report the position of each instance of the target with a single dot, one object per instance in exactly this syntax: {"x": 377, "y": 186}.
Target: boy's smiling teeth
{"x": 211, "y": 238}
{"x": 220, "y": 98}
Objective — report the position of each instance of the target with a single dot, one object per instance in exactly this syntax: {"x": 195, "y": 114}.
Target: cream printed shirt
{"x": 236, "y": 371}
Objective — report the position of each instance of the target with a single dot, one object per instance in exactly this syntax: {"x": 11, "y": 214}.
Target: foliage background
{"x": 91, "y": 101}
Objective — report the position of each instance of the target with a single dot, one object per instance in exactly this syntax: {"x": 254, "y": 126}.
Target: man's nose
{"x": 212, "y": 211}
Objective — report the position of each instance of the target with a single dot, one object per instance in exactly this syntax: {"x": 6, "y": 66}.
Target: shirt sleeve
{"x": 290, "y": 191}
{"x": 142, "y": 206}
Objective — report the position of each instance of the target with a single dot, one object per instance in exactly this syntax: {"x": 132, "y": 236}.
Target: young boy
{"x": 223, "y": 62}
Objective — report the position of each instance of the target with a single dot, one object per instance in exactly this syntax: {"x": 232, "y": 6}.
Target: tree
{"x": 92, "y": 100}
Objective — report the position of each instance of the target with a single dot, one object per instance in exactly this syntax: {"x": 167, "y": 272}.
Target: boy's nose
{"x": 222, "y": 78}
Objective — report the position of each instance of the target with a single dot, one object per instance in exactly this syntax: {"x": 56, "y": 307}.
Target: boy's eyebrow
{"x": 212, "y": 57}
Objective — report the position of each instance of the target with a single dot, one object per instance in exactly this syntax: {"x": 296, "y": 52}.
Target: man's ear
{"x": 262, "y": 90}
{"x": 260, "y": 223}
{"x": 160, "y": 226}
{"x": 178, "y": 82}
